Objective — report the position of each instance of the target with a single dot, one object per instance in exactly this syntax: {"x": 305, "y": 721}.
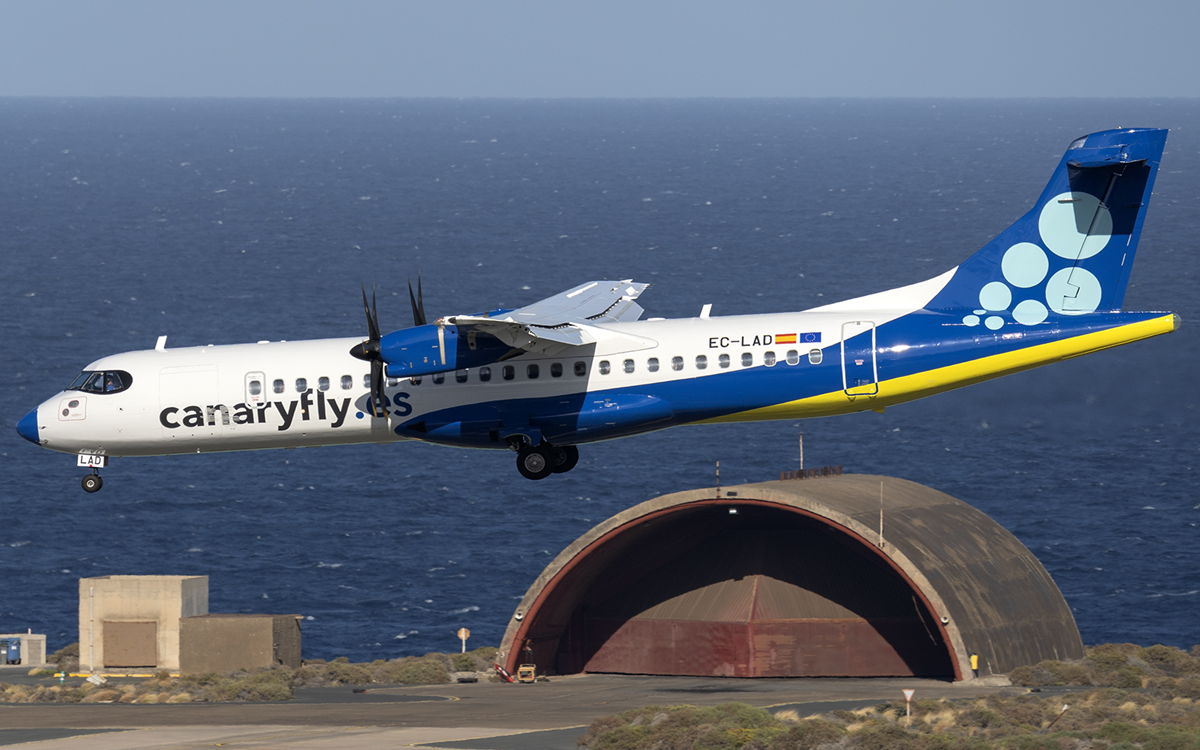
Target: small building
{"x": 851, "y": 575}
{"x": 162, "y": 622}
{"x": 31, "y": 650}
{"x": 228, "y": 643}
{"x": 133, "y": 621}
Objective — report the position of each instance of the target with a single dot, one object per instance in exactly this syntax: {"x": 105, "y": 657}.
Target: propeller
{"x": 418, "y": 303}
{"x": 369, "y": 351}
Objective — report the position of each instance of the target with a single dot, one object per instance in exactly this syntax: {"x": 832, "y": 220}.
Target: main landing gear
{"x": 540, "y": 461}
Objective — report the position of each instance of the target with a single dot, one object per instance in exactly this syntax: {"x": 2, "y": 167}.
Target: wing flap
{"x": 561, "y": 320}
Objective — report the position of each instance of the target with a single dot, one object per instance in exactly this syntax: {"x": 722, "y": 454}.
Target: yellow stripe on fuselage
{"x": 921, "y": 384}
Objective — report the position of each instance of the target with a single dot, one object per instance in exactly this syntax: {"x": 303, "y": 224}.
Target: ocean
{"x": 223, "y": 221}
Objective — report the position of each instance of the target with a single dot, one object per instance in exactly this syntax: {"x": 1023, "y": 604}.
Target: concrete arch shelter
{"x": 794, "y": 578}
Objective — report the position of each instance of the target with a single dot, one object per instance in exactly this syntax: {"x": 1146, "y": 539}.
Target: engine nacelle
{"x": 431, "y": 348}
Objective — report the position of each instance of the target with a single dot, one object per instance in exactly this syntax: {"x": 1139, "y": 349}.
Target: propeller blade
{"x": 378, "y": 397}
{"x": 372, "y": 320}
{"x": 374, "y": 316}
{"x": 418, "y": 302}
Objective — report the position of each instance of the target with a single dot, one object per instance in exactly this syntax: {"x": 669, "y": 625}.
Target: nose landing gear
{"x": 92, "y": 482}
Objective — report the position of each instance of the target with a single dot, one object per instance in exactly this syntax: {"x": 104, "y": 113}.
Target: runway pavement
{"x": 479, "y": 716}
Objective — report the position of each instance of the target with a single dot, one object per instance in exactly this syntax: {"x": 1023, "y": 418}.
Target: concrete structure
{"x": 33, "y": 647}
{"x": 228, "y": 643}
{"x": 851, "y": 576}
{"x": 133, "y": 621}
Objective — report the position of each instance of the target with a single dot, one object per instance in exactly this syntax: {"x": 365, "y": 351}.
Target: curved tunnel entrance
{"x": 747, "y": 590}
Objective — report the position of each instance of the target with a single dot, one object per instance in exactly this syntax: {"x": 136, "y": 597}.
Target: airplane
{"x": 582, "y": 366}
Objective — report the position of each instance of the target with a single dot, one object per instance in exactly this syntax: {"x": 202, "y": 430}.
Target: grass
{"x": 275, "y": 684}
{"x": 1147, "y": 698}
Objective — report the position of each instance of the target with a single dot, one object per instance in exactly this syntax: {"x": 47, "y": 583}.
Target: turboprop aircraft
{"x": 582, "y": 366}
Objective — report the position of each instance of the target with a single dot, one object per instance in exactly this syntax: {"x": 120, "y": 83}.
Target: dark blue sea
{"x": 222, "y": 221}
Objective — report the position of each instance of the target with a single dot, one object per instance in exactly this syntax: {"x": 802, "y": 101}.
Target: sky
{"x": 614, "y": 48}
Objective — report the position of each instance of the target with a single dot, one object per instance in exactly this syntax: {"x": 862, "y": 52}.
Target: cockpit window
{"x": 97, "y": 381}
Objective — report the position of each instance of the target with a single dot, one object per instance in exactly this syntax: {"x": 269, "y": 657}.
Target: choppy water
{"x": 220, "y": 221}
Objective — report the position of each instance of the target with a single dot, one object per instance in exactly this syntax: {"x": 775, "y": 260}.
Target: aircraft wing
{"x": 561, "y": 320}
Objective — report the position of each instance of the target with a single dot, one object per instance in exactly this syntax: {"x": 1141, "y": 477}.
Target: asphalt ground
{"x": 471, "y": 716}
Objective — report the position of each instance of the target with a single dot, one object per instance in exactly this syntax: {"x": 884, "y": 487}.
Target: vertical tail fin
{"x": 1072, "y": 253}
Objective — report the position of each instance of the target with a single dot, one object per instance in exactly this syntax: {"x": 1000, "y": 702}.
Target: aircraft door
{"x": 860, "y": 374}
{"x": 189, "y": 403}
{"x": 256, "y": 388}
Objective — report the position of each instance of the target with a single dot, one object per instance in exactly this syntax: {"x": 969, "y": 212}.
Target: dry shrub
{"x": 66, "y": 659}
{"x": 1170, "y": 661}
{"x": 1188, "y": 687}
{"x": 730, "y": 726}
{"x": 808, "y": 734}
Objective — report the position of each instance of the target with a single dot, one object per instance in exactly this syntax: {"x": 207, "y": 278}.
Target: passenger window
{"x": 415, "y": 380}
{"x": 793, "y": 357}
{"x": 460, "y": 376}
{"x": 701, "y": 362}
{"x": 652, "y": 364}
{"x": 347, "y": 382}
{"x": 278, "y": 384}
{"x": 485, "y": 374}
{"x": 769, "y": 359}
{"x": 301, "y": 385}
{"x": 508, "y": 373}
{"x": 531, "y": 372}
{"x": 723, "y": 360}
{"x": 393, "y": 382}
{"x": 366, "y": 382}
{"x": 323, "y": 383}
{"x": 255, "y": 387}
{"x": 605, "y": 367}
{"x": 676, "y": 363}
{"x": 747, "y": 359}
{"x": 580, "y": 369}
{"x": 438, "y": 378}
{"x": 556, "y": 370}
{"x": 815, "y": 356}
{"x": 629, "y": 365}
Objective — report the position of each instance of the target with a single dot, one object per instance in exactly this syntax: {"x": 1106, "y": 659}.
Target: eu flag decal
{"x": 801, "y": 338}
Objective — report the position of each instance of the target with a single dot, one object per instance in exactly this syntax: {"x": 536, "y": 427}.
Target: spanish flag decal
{"x": 798, "y": 338}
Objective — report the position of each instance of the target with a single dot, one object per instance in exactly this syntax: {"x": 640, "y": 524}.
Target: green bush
{"x": 1128, "y": 677}
{"x": 422, "y": 671}
{"x": 1108, "y": 657}
{"x": 463, "y": 663}
{"x": 341, "y": 672}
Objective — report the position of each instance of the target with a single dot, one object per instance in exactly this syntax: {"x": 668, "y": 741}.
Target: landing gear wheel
{"x": 536, "y": 461}
{"x": 92, "y": 483}
{"x": 565, "y": 458}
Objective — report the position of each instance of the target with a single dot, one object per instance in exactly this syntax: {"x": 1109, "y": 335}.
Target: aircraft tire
{"x": 92, "y": 483}
{"x": 566, "y": 457}
{"x": 536, "y": 461}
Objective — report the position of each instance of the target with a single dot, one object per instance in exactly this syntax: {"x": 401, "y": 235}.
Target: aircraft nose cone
{"x": 28, "y": 427}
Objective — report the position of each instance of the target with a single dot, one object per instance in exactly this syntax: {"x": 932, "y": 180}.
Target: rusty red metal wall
{"x": 765, "y": 594}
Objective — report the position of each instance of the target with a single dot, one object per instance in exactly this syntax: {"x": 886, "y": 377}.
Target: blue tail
{"x": 1072, "y": 253}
